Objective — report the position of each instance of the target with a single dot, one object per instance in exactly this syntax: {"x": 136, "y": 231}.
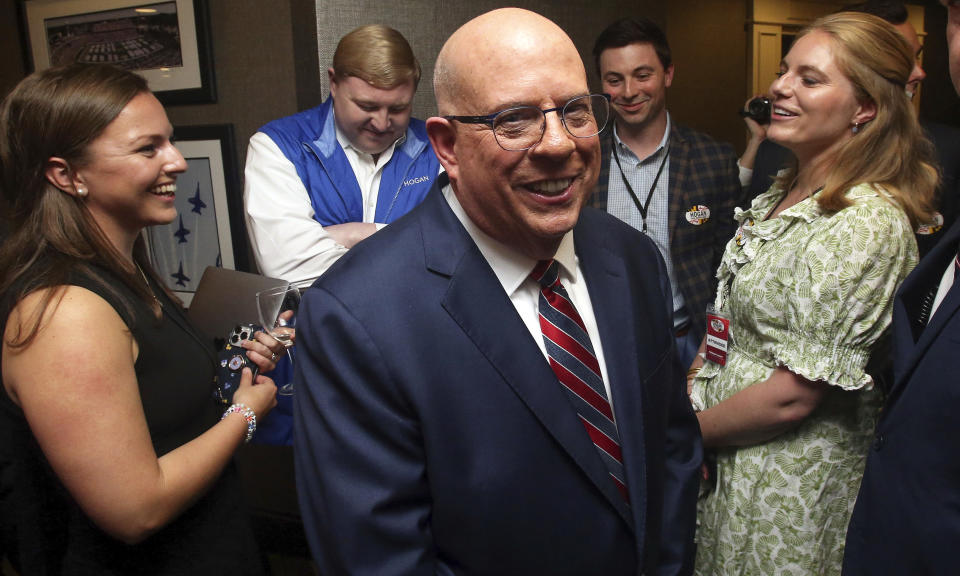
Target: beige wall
{"x": 709, "y": 46}
{"x": 427, "y": 23}
{"x": 269, "y": 61}
{"x": 11, "y": 66}
{"x": 254, "y": 64}
{"x": 707, "y": 38}
{"x": 254, "y": 57}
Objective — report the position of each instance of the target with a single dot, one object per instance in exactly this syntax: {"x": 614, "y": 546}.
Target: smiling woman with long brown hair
{"x": 115, "y": 459}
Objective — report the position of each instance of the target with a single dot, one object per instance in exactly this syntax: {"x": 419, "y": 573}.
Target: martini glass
{"x": 278, "y": 315}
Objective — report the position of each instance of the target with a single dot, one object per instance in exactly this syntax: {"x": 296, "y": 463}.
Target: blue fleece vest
{"x": 309, "y": 140}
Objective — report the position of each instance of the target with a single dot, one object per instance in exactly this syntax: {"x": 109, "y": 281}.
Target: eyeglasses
{"x": 522, "y": 127}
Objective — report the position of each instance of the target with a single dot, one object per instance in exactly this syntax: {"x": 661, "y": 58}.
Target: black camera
{"x": 759, "y": 109}
{"x": 232, "y": 359}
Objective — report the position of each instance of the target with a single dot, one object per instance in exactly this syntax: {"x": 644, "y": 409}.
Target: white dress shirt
{"x": 513, "y": 271}
{"x": 641, "y": 173}
{"x": 946, "y": 283}
{"x": 368, "y": 172}
{"x": 287, "y": 242}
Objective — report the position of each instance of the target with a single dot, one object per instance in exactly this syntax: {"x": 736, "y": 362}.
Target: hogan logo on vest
{"x": 417, "y": 180}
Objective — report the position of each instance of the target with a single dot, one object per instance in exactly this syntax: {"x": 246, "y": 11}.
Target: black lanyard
{"x": 642, "y": 208}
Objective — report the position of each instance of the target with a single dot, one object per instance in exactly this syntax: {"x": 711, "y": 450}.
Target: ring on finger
{"x": 273, "y": 356}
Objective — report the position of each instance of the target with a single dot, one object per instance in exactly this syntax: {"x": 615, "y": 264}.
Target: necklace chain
{"x": 784, "y": 197}
{"x": 149, "y": 287}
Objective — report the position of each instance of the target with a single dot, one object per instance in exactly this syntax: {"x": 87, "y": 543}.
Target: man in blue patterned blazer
{"x": 677, "y": 185}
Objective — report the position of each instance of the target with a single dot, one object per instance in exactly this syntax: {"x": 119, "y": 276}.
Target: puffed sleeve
{"x": 843, "y": 299}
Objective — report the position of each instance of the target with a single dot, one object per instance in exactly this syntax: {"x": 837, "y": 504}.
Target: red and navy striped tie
{"x": 575, "y": 364}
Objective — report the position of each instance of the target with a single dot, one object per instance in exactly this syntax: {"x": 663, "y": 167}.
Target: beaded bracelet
{"x": 248, "y": 414}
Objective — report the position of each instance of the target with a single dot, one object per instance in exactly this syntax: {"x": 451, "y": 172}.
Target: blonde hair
{"x": 376, "y": 54}
{"x": 891, "y": 150}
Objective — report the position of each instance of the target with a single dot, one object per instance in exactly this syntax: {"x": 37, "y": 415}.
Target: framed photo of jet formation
{"x": 165, "y": 41}
{"x": 209, "y": 229}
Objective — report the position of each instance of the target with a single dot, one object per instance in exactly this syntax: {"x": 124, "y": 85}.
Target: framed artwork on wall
{"x": 165, "y": 41}
{"x": 209, "y": 229}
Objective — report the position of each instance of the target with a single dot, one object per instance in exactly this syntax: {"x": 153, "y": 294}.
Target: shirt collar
{"x": 663, "y": 141}
{"x": 347, "y": 145}
{"x": 510, "y": 266}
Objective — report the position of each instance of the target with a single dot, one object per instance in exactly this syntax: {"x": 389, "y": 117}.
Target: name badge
{"x": 718, "y": 336}
{"x": 739, "y": 237}
{"x": 698, "y": 215}
{"x": 932, "y": 227}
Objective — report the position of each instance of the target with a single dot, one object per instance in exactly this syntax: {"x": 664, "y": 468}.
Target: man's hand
{"x": 350, "y": 233}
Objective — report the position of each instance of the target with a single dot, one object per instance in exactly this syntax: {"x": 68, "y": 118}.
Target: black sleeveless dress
{"x": 46, "y": 532}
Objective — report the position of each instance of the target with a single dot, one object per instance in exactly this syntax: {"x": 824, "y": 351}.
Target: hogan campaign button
{"x": 698, "y": 215}
{"x": 931, "y": 227}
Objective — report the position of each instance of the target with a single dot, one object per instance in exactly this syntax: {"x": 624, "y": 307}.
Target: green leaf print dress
{"x": 810, "y": 292}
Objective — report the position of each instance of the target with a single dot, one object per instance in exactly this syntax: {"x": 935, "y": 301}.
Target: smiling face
{"x": 637, "y": 84}
{"x": 814, "y": 104}
{"x": 131, "y": 172}
{"x": 525, "y": 199}
{"x": 371, "y": 118}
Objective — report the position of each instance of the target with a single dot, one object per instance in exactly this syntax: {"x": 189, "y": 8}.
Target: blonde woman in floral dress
{"x": 808, "y": 284}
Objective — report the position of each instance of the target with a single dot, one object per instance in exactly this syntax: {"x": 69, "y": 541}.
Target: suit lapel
{"x": 476, "y": 301}
{"x": 606, "y": 276}
{"x": 910, "y": 345}
{"x": 679, "y": 155}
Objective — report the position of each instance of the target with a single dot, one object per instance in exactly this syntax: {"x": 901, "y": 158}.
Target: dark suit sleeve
{"x": 771, "y": 158}
{"x": 358, "y": 451}
{"x": 683, "y": 455}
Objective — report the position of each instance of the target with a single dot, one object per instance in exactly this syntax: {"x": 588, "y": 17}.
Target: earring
{"x": 81, "y": 192}
{"x": 856, "y": 127}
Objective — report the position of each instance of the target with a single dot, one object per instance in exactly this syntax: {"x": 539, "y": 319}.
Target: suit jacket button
{"x": 878, "y": 442}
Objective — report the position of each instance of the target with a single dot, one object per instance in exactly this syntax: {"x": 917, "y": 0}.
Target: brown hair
{"x": 376, "y": 54}
{"x": 891, "y": 150}
{"x": 58, "y": 112}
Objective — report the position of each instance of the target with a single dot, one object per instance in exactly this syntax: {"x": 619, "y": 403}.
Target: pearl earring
{"x": 856, "y": 127}
{"x": 81, "y": 192}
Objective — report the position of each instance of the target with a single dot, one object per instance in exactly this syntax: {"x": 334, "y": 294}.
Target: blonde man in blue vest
{"x": 318, "y": 182}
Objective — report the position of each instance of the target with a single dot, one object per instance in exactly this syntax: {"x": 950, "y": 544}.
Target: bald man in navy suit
{"x": 432, "y": 433}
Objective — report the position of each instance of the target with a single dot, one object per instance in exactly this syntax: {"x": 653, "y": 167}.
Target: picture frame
{"x": 209, "y": 229}
{"x": 165, "y": 41}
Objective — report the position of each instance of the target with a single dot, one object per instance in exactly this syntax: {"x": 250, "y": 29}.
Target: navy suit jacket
{"x": 432, "y": 437}
{"x": 907, "y": 516}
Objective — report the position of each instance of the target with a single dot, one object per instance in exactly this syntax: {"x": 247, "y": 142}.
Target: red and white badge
{"x": 718, "y": 337}
{"x": 698, "y": 215}
{"x": 739, "y": 237}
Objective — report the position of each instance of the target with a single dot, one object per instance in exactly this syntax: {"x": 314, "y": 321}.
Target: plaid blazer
{"x": 703, "y": 172}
